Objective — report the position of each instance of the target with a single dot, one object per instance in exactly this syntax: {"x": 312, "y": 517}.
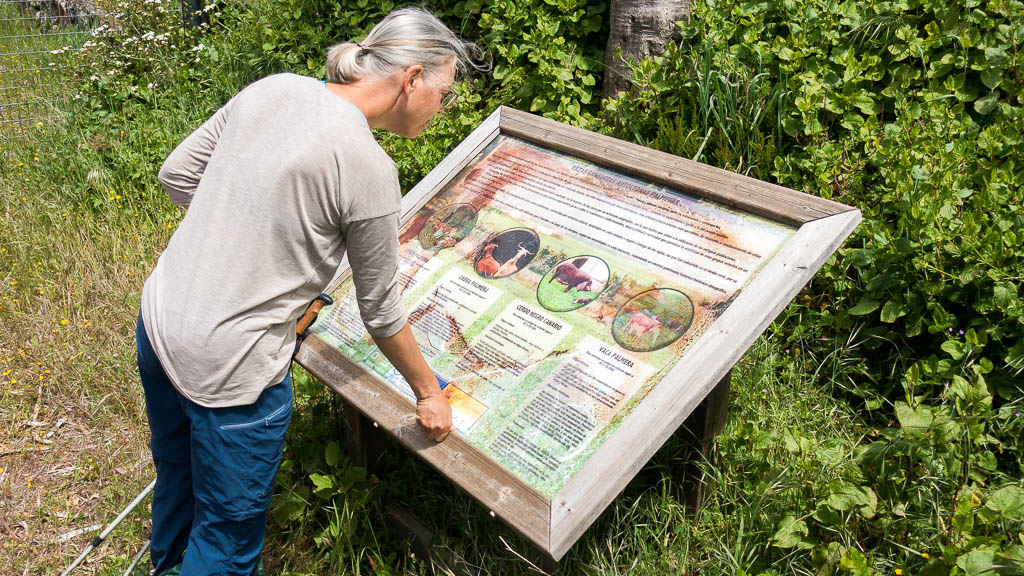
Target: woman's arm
{"x": 432, "y": 409}
{"x": 372, "y": 247}
{"x": 184, "y": 167}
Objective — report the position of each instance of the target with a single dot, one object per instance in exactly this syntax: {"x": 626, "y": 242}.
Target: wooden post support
{"x": 549, "y": 565}
{"x": 699, "y": 432}
{"x": 410, "y": 528}
{"x": 364, "y": 441}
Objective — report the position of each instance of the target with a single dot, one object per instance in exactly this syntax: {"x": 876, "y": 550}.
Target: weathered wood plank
{"x": 515, "y": 502}
{"x": 734, "y": 190}
{"x": 651, "y": 422}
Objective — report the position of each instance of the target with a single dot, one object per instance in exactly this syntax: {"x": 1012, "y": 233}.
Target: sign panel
{"x": 549, "y": 294}
{"x": 577, "y": 297}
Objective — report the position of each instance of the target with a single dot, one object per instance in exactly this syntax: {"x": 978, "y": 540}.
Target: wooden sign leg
{"x": 365, "y": 442}
{"x": 366, "y": 445}
{"x": 699, "y": 432}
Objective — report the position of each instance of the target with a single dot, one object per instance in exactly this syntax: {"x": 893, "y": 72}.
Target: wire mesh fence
{"x": 37, "y": 41}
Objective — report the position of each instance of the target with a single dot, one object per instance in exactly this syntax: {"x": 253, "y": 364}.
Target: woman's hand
{"x": 432, "y": 409}
{"x": 434, "y": 414}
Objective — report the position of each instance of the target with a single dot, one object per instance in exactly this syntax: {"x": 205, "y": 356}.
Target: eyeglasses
{"x": 451, "y": 97}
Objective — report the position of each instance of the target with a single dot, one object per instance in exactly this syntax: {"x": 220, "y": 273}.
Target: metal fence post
{"x": 193, "y": 13}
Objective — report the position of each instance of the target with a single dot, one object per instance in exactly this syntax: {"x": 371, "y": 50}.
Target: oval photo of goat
{"x": 506, "y": 253}
{"x": 573, "y": 283}
{"x": 652, "y": 320}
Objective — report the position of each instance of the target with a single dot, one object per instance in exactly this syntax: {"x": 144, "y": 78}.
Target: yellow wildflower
{"x": 899, "y": 571}
{"x": 925, "y": 555}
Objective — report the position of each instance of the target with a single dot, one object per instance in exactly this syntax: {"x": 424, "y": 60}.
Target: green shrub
{"x": 832, "y": 99}
{"x": 912, "y": 112}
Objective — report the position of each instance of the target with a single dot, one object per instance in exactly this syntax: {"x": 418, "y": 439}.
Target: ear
{"x": 413, "y": 75}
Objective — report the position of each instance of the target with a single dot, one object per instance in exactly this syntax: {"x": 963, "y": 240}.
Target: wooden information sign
{"x": 577, "y": 297}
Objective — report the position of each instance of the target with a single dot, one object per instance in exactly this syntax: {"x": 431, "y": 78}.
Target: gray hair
{"x": 405, "y": 37}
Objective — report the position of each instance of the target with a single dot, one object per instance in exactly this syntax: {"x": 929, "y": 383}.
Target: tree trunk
{"x": 640, "y": 29}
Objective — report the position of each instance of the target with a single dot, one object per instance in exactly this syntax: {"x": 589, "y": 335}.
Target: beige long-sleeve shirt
{"x": 279, "y": 184}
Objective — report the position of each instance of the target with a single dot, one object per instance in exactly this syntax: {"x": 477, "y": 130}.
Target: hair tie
{"x": 361, "y": 45}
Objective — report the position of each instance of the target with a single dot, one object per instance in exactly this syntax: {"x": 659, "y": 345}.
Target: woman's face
{"x": 426, "y": 90}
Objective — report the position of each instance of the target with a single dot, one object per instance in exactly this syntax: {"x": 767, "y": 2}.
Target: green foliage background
{"x": 910, "y": 110}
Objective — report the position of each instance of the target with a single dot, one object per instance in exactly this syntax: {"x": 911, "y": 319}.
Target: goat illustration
{"x": 510, "y": 266}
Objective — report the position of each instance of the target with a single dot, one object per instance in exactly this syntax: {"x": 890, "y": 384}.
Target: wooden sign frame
{"x": 554, "y": 524}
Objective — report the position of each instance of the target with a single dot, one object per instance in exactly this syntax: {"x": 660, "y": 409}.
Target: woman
{"x": 279, "y": 184}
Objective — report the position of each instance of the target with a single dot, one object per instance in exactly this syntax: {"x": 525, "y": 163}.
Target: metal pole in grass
{"x": 99, "y": 539}
{"x": 193, "y": 12}
{"x": 135, "y": 560}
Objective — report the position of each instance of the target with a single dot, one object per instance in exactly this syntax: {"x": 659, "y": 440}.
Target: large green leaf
{"x": 963, "y": 513}
{"x": 980, "y": 562}
{"x": 792, "y": 533}
{"x": 1008, "y": 501}
{"x": 855, "y": 563}
{"x": 892, "y": 310}
{"x": 914, "y": 420}
{"x": 954, "y": 348}
{"x": 1005, "y": 294}
{"x": 987, "y": 103}
{"x": 322, "y": 482}
{"x": 849, "y": 496}
{"x": 992, "y": 77}
{"x": 867, "y": 305}
{"x": 333, "y": 454}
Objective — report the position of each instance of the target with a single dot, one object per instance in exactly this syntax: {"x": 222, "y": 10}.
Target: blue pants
{"x": 215, "y": 472}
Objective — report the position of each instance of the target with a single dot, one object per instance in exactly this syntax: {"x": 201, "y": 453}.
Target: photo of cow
{"x": 652, "y": 320}
{"x": 447, "y": 226}
{"x": 573, "y": 283}
{"x": 506, "y": 253}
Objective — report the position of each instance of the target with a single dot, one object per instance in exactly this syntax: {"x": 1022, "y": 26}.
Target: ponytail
{"x": 404, "y": 38}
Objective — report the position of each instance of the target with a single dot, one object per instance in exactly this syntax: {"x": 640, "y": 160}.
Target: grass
{"x": 75, "y": 449}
